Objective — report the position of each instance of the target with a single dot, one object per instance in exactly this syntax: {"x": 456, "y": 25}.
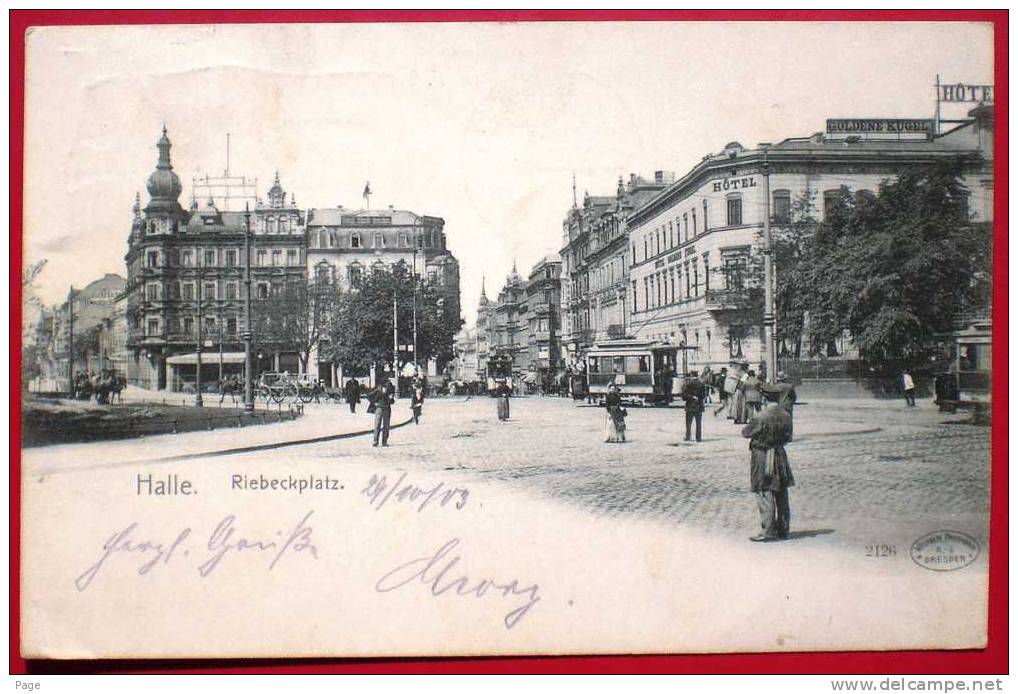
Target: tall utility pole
{"x": 248, "y": 367}
{"x": 395, "y": 340}
{"x": 70, "y": 341}
{"x": 197, "y": 331}
{"x": 413, "y": 277}
{"x": 770, "y": 353}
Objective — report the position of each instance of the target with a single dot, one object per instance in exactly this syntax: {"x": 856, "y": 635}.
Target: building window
{"x": 277, "y": 258}
{"x": 646, "y": 293}
{"x": 231, "y": 258}
{"x": 152, "y": 259}
{"x": 706, "y": 224}
{"x": 152, "y": 291}
{"x": 187, "y": 291}
{"x": 831, "y": 198}
{"x": 231, "y": 290}
{"x": 187, "y": 257}
{"x": 694, "y": 223}
{"x": 210, "y": 258}
{"x": 685, "y": 226}
{"x": 263, "y": 290}
{"x": 672, "y": 279}
{"x": 355, "y": 240}
{"x": 187, "y": 325}
{"x": 782, "y": 207}
{"x": 354, "y": 274}
{"x": 283, "y": 226}
{"x": 404, "y": 240}
{"x": 261, "y": 258}
{"x": 645, "y": 253}
{"x": 378, "y": 241}
{"x": 686, "y": 268}
{"x": 152, "y": 327}
{"x": 706, "y": 272}
{"x": 210, "y": 325}
{"x": 735, "y": 273}
{"x": 696, "y": 278}
{"x": 635, "y": 307}
{"x": 231, "y": 326}
{"x": 208, "y": 290}
{"x": 735, "y": 211}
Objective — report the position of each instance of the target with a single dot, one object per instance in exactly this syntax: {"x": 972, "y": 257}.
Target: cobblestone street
{"x": 866, "y": 471}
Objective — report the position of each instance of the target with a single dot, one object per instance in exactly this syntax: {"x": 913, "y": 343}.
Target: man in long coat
{"x": 782, "y": 393}
{"x": 382, "y": 399}
{"x": 770, "y": 475}
{"x": 693, "y": 394}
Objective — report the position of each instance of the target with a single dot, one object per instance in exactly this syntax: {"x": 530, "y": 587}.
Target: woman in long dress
{"x": 615, "y": 424}
{"x": 502, "y": 393}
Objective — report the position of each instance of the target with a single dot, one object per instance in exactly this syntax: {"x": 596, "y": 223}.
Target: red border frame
{"x": 991, "y": 660}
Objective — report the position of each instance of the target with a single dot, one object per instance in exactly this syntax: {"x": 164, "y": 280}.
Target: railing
{"x": 728, "y": 299}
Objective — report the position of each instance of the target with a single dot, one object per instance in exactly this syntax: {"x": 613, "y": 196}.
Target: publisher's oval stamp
{"x": 945, "y": 550}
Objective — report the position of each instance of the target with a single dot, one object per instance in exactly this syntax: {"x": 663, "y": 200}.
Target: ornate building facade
{"x": 595, "y": 263}
{"x": 185, "y": 279}
{"x": 344, "y": 244}
{"x": 692, "y": 245}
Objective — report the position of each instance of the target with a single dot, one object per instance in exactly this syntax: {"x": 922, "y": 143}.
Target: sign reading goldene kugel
{"x": 880, "y": 125}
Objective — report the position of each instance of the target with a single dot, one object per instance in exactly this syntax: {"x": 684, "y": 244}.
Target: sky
{"x": 484, "y": 125}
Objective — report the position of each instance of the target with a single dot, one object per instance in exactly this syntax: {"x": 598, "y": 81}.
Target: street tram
{"x": 500, "y": 370}
{"x": 644, "y": 370}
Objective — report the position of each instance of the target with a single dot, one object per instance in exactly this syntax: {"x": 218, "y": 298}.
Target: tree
{"x": 295, "y": 317}
{"x": 897, "y": 268}
{"x": 361, "y": 329}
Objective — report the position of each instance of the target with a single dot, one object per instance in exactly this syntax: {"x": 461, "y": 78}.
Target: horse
{"x": 231, "y": 386}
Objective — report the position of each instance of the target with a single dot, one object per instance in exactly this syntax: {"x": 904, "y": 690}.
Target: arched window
{"x": 354, "y": 272}
{"x": 355, "y": 240}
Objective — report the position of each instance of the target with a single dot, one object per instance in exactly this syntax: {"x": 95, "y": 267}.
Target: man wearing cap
{"x": 693, "y": 394}
{"x": 783, "y": 393}
{"x": 770, "y": 475}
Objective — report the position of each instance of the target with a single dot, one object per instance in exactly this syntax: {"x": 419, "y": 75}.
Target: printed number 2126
{"x": 881, "y": 551}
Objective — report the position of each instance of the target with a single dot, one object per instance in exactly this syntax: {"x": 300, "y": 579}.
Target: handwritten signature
{"x": 224, "y": 540}
{"x": 436, "y": 572}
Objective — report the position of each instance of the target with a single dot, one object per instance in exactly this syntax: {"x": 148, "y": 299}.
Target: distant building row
{"x": 178, "y": 259}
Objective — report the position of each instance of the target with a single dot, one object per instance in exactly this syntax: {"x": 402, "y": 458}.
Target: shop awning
{"x": 207, "y": 358}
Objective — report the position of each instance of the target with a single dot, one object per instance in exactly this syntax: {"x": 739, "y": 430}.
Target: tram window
{"x": 637, "y": 364}
{"x": 593, "y": 365}
{"x": 618, "y": 364}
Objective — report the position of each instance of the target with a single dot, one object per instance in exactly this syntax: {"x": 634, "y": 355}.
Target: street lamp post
{"x": 70, "y": 341}
{"x": 248, "y": 367}
{"x": 770, "y": 356}
{"x": 413, "y": 278}
{"x": 197, "y": 378}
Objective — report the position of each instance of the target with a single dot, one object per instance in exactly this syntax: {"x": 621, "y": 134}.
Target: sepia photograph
{"x": 427, "y": 339}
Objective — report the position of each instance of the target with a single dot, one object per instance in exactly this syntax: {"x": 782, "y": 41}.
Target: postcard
{"x": 435, "y": 339}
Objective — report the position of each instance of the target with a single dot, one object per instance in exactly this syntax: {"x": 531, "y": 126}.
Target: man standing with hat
{"x": 770, "y": 475}
{"x": 693, "y": 394}
{"x": 783, "y": 393}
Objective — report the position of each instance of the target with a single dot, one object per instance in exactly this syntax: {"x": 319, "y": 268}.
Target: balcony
{"x": 720, "y": 300}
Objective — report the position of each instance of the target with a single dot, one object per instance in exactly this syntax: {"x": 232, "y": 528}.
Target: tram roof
{"x": 632, "y": 345}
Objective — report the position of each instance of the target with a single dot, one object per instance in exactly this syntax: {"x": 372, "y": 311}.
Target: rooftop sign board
{"x": 893, "y": 126}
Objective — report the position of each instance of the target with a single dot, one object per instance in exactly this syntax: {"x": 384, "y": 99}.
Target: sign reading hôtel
{"x": 880, "y": 125}
{"x": 735, "y": 183}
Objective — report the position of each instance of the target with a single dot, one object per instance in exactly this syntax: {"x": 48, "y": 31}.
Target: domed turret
{"x": 277, "y": 196}
{"x": 163, "y": 185}
{"x": 513, "y": 277}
